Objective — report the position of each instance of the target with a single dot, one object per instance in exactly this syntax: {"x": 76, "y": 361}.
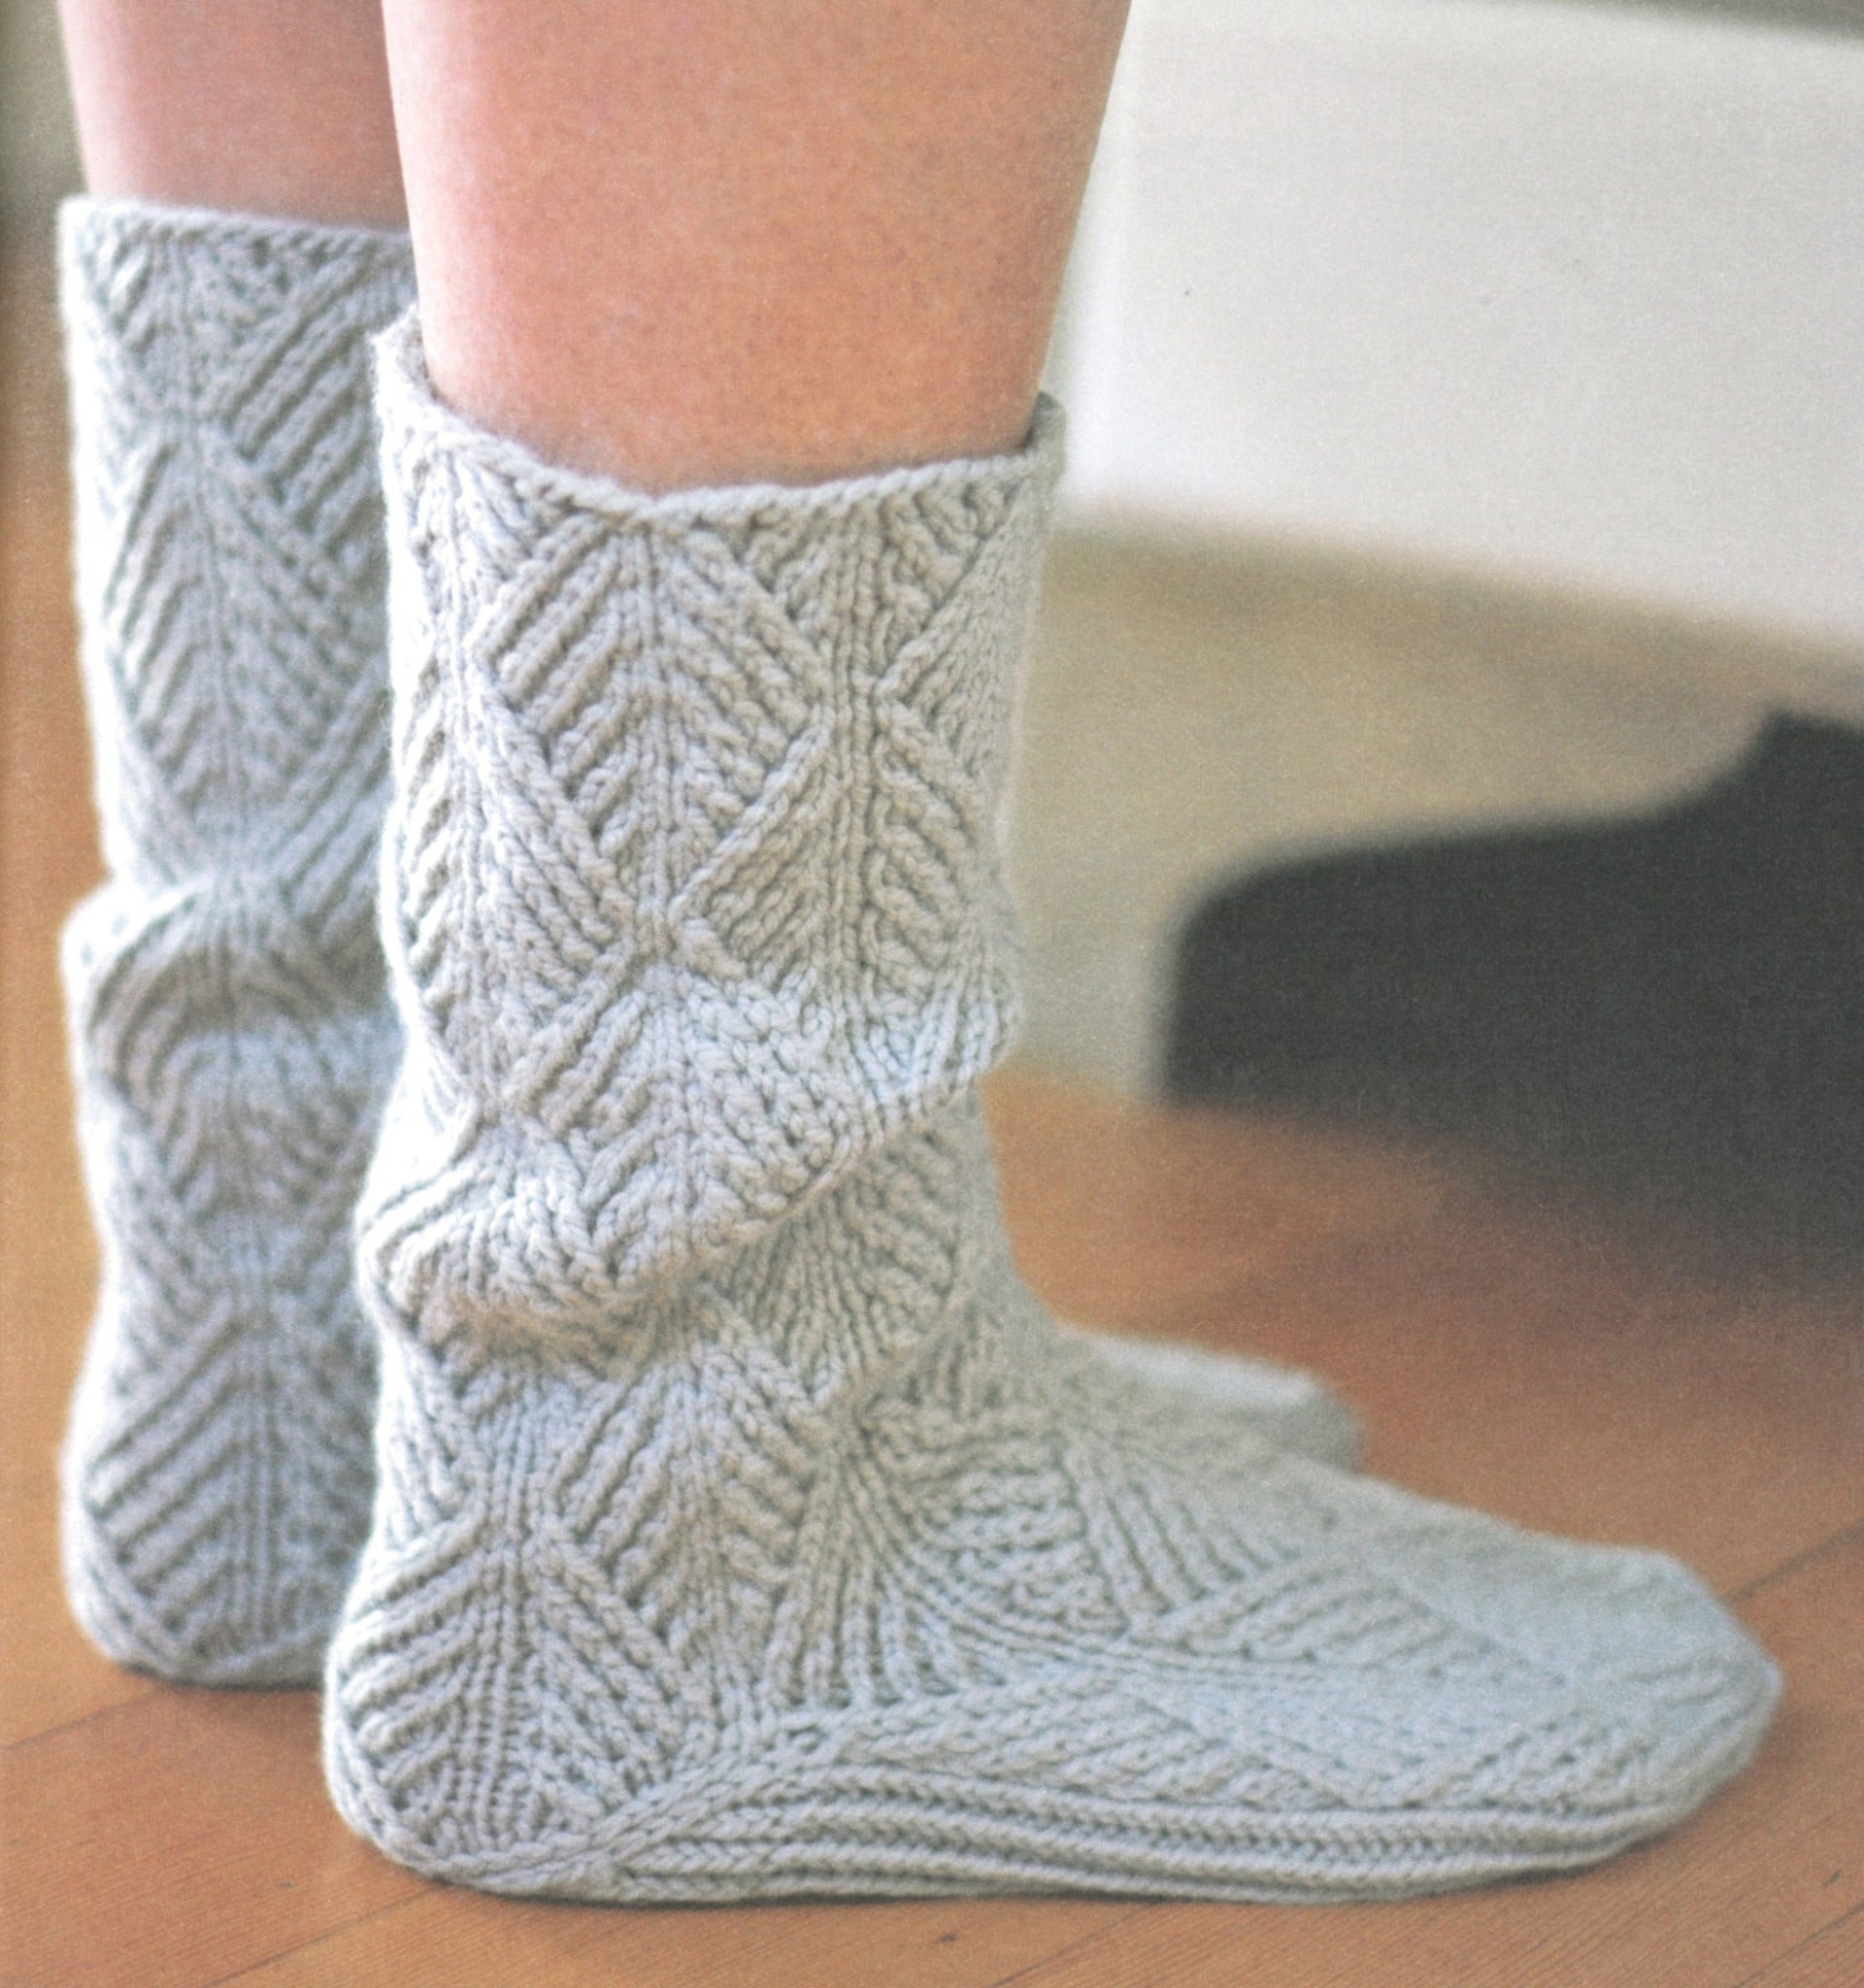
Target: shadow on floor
{"x": 1670, "y": 1004}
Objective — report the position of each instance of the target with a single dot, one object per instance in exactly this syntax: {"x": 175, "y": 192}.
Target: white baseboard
{"x": 1566, "y": 293}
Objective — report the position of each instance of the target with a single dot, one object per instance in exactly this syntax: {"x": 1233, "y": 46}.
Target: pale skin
{"x": 680, "y": 244}
{"x": 272, "y": 107}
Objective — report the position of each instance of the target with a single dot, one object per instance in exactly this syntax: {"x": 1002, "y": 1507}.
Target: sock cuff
{"x": 697, "y": 892}
{"x": 417, "y": 423}
{"x": 192, "y": 314}
{"x": 228, "y": 521}
{"x": 92, "y": 225}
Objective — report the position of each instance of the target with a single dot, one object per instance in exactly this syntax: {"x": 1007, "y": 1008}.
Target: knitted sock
{"x": 746, "y": 1529}
{"x": 231, "y": 1023}
{"x": 233, "y": 1035}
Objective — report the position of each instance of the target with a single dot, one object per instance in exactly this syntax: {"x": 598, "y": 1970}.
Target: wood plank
{"x": 1772, "y": 1862}
{"x": 48, "y": 857}
{"x": 450, "y": 1938}
{"x": 47, "y": 1283}
{"x": 1548, "y": 1358}
{"x": 49, "y": 1675}
{"x": 1832, "y": 1959}
{"x": 175, "y": 1840}
{"x": 1125, "y": 1214}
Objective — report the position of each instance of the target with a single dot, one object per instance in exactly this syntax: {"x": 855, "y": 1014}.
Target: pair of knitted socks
{"x": 231, "y": 1014}
{"x": 742, "y": 1527}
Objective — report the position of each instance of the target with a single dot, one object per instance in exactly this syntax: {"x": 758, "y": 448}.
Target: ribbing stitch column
{"x": 231, "y": 1024}
{"x": 746, "y": 1528}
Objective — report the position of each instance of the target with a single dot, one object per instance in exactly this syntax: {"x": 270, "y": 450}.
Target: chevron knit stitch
{"x": 746, "y": 1528}
{"x": 232, "y": 1031}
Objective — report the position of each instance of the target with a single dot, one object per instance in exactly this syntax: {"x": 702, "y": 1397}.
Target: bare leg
{"x": 265, "y": 106}
{"x": 746, "y": 239}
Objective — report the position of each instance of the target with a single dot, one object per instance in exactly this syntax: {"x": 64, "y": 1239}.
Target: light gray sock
{"x": 1284, "y": 1406}
{"x": 232, "y": 1030}
{"x": 746, "y": 1529}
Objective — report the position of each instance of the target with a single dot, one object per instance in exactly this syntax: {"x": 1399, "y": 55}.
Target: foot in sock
{"x": 746, "y": 1529}
{"x": 233, "y": 1029}
{"x": 230, "y": 1016}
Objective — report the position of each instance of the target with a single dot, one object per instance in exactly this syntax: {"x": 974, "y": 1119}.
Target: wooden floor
{"x": 1588, "y": 1365}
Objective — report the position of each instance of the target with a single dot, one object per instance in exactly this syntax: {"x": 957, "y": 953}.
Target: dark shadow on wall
{"x": 1832, "y": 16}
{"x": 1672, "y": 1002}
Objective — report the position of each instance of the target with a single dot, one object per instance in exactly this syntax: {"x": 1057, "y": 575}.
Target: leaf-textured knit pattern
{"x": 719, "y": 1015}
{"x": 231, "y": 1024}
{"x": 746, "y": 1528}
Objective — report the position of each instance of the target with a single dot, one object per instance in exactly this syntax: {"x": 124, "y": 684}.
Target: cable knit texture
{"x": 232, "y": 1028}
{"x": 746, "y": 1528}
{"x": 231, "y": 1025}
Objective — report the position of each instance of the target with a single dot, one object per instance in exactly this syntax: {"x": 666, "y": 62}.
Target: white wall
{"x": 38, "y": 153}
{"x": 1558, "y": 292}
